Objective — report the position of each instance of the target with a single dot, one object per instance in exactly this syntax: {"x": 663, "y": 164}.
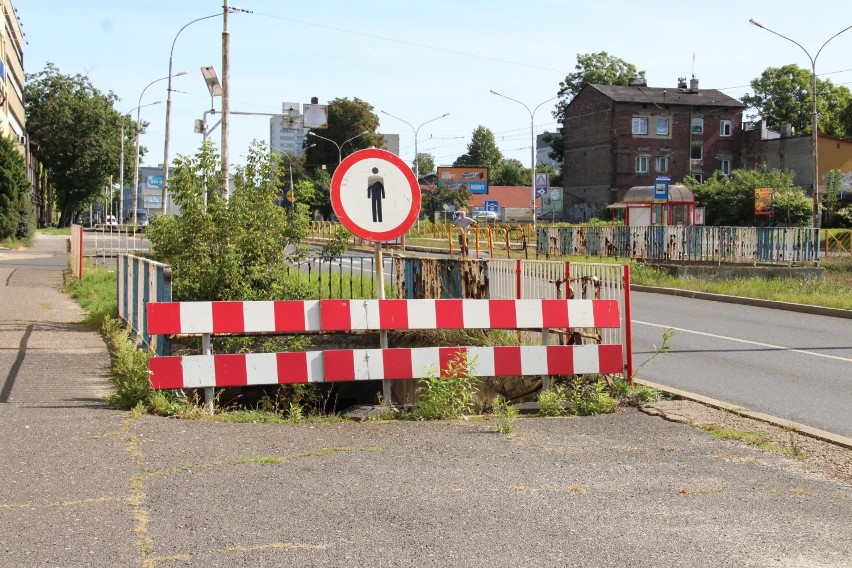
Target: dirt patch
{"x": 815, "y": 455}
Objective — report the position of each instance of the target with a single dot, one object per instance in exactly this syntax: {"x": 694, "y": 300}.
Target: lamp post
{"x": 339, "y": 146}
{"x": 814, "y": 116}
{"x": 532, "y": 145}
{"x": 416, "y": 130}
{"x": 169, "y": 108}
{"x": 121, "y": 162}
{"x": 290, "y": 160}
{"x": 136, "y": 164}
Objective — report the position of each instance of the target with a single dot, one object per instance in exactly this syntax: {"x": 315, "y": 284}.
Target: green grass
{"x": 751, "y": 438}
{"x": 55, "y": 231}
{"x": 96, "y": 294}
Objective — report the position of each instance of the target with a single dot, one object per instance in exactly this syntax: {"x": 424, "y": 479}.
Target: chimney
{"x": 693, "y": 84}
{"x": 636, "y": 82}
{"x": 314, "y": 100}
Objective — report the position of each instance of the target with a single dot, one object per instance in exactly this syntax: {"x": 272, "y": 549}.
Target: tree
{"x": 598, "y": 68}
{"x": 321, "y": 181}
{"x": 729, "y": 199}
{"x": 425, "y": 163}
{"x": 79, "y": 134}
{"x": 16, "y": 212}
{"x": 511, "y": 172}
{"x": 785, "y": 95}
{"x": 434, "y": 200}
{"x": 346, "y": 119}
{"x": 481, "y": 151}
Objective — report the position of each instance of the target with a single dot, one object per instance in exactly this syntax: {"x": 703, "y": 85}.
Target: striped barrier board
{"x": 183, "y": 318}
{"x": 228, "y": 370}
{"x": 198, "y": 371}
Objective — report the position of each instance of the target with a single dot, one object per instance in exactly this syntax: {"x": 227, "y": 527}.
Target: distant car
{"x": 141, "y": 219}
{"x": 553, "y": 217}
{"x": 487, "y": 216}
{"x": 110, "y": 221}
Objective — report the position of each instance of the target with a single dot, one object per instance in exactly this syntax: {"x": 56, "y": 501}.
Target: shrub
{"x": 450, "y": 395}
{"x": 590, "y": 396}
{"x": 552, "y": 402}
{"x": 129, "y": 369}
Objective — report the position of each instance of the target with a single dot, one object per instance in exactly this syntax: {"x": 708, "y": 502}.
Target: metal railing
{"x": 341, "y": 278}
{"x": 140, "y": 281}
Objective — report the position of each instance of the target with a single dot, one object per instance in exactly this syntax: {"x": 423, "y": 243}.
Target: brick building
{"x": 617, "y": 137}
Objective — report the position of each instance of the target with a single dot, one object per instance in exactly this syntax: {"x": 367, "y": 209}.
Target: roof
{"x": 645, "y": 194}
{"x": 662, "y": 96}
{"x": 505, "y": 196}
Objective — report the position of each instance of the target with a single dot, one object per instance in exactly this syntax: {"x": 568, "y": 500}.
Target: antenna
{"x": 693, "y": 65}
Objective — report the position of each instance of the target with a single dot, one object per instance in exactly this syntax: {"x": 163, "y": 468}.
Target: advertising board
{"x": 472, "y": 178}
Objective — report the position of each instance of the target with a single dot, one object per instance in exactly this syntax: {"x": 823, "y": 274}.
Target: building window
{"x": 642, "y": 164}
{"x": 698, "y": 177}
{"x": 662, "y": 164}
{"x": 697, "y": 125}
{"x": 663, "y": 126}
{"x": 640, "y": 125}
{"x": 725, "y": 128}
{"x": 697, "y": 152}
{"x": 725, "y": 166}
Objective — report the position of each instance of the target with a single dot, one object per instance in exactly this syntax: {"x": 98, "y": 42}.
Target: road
{"x": 790, "y": 365}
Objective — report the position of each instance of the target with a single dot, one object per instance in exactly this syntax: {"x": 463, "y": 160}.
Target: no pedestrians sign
{"x": 375, "y": 195}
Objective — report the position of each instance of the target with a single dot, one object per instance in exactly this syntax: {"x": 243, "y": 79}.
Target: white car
{"x": 485, "y": 216}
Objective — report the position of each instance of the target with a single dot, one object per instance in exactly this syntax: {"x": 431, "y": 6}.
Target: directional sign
{"x": 661, "y": 188}
{"x": 541, "y": 183}
{"x": 375, "y": 195}
{"x": 491, "y": 205}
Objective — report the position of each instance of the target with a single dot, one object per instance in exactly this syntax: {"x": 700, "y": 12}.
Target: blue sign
{"x": 155, "y": 181}
{"x": 661, "y": 188}
{"x": 490, "y": 205}
{"x": 541, "y": 183}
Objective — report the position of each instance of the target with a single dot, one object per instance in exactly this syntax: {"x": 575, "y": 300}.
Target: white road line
{"x": 726, "y": 338}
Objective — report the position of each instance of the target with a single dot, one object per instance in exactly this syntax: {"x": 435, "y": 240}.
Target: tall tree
{"x": 79, "y": 134}
{"x": 434, "y": 200}
{"x": 599, "y": 68}
{"x": 511, "y": 172}
{"x": 785, "y": 95}
{"x": 347, "y": 118}
{"x": 481, "y": 151}
{"x": 425, "y": 163}
{"x": 16, "y": 212}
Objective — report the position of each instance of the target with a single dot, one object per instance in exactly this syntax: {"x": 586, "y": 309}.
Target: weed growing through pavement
{"x": 752, "y": 438}
{"x": 590, "y": 396}
{"x": 506, "y": 414}
{"x": 552, "y": 402}
{"x": 449, "y": 394}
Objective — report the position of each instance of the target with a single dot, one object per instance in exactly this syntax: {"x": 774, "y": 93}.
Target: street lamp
{"x": 136, "y": 165}
{"x": 814, "y": 117}
{"x": 532, "y": 145}
{"x": 339, "y": 146}
{"x": 121, "y": 161}
{"x": 169, "y": 108}
{"x": 416, "y": 130}
{"x": 290, "y": 159}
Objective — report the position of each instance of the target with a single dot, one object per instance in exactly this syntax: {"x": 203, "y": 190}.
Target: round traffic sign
{"x": 375, "y": 195}
{"x": 290, "y": 196}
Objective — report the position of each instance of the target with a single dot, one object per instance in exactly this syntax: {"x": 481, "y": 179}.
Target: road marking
{"x": 725, "y": 337}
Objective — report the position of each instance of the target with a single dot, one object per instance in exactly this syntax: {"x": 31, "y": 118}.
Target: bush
{"x": 129, "y": 369}
{"x": 552, "y": 402}
{"x": 590, "y": 396}
{"x": 843, "y": 217}
{"x": 17, "y": 218}
{"x": 451, "y": 395}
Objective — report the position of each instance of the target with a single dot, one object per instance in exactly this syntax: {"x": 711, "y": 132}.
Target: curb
{"x": 816, "y": 433}
{"x": 773, "y": 304}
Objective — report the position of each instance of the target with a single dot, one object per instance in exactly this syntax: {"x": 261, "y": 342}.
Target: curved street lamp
{"x": 121, "y": 161}
{"x": 339, "y": 146}
{"x": 532, "y": 145}
{"x": 169, "y": 107}
{"x": 136, "y": 165}
{"x": 416, "y": 130}
{"x": 814, "y": 117}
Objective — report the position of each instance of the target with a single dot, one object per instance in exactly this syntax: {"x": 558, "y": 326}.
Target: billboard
{"x": 472, "y": 178}
{"x": 763, "y": 202}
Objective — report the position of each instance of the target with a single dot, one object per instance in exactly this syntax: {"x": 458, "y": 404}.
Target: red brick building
{"x": 617, "y": 137}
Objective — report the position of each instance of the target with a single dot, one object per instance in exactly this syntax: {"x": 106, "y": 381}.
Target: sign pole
{"x": 379, "y": 279}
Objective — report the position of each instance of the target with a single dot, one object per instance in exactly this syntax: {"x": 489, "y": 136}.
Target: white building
{"x": 286, "y": 134}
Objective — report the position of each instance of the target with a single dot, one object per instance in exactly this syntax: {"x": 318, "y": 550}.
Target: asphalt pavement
{"x": 85, "y": 485}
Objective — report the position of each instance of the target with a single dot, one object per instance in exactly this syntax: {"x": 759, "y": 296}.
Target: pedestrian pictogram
{"x": 375, "y": 195}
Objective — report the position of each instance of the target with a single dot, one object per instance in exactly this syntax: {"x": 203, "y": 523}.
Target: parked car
{"x": 485, "y": 216}
{"x": 550, "y": 216}
{"x": 141, "y": 219}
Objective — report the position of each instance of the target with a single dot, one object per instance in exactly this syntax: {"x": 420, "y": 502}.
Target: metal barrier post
{"x": 209, "y": 392}
{"x": 628, "y": 326}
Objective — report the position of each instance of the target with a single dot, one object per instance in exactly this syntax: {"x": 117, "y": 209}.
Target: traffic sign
{"x": 290, "y": 196}
{"x": 375, "y": 195}
{"x": 661, "y": 188}
{"x": 541, "y": 183}
{"x": 491, "y": 205}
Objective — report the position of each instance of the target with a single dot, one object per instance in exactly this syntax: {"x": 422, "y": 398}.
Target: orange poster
{"x": 763, "y": 201}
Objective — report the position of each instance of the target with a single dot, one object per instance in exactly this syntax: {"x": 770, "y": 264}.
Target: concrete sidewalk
{"x": 85, "y": 485}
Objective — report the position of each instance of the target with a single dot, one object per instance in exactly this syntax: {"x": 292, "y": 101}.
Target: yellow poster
{"x": 763, "y": 201}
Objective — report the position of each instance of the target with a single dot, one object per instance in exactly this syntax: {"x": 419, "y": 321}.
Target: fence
{"x": 344, "y": 277}
{"x": 228, "y": 370}
{"x": 141, "y": 281}
{"x": 682, "y": 243}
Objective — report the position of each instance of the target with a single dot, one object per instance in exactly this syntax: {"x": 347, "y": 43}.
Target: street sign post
{"x": 541, "y": 183}
{"x": 491, "y": 205}
{"x": 661, "y": 189}
{"x": 377, "y": 197}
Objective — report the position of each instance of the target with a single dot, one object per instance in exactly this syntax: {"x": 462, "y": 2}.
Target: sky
{"x": 415, "y": 59}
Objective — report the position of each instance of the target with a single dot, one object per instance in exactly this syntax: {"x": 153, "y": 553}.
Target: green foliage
{"x": 129, "y": 369}
{"x": 79, "y": 133}
{"x": 434, "y": 200}
{"x": 336, "y": 246}
{"x": 590, "y": 396}
{"x": 729, "y": 200}
{"x": 510, "y": 172}
{"x": 598, "y": 68}
{"x": 506, "y": 415}
{"x": 228, "y": 249}
{"x": 17, "y": 219}
{"x": 635, "y": 394}
{"x": 96, "y": 294}
{"x": 425, "y": 163}
{"x": 321, "y": 182}
{"x": 450, "y": 395}
{"x": 785, "y": 95}
{"x": 552, "y": 402}
{"x": 481, "y": 151}
{"x": 346, "y": 119}
{"x": 843, "y": 217}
